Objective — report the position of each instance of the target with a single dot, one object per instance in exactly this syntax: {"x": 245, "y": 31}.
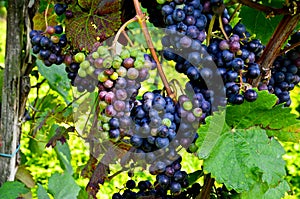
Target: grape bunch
{"x": 236, "y": 62}
{"x": 170, "y": 182}
{"x": 285, "y": 74}
{"x": 233, "y": 58}
{"x": 48, "y": 45}
{"x": 62, "y": 8}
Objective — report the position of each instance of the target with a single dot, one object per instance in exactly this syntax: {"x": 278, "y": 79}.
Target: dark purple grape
{"x": 250, "y": 95}
{"x": 60, "y": 8}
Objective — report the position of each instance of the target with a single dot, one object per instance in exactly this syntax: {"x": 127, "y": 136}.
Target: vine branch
{"x": 147, "y": 36}
{"x": 272, "y": 50}
{"x": 288, "y": 48}
{"x": 206, "y": 190}
{"x": 270, "y": 11}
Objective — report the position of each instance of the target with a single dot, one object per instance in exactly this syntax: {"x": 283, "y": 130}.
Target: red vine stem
{"x": 121, "y": 30}
{"x": 146, "y": 33}
{"x": 46, "y": 13}
{"x": 272, "y": 50}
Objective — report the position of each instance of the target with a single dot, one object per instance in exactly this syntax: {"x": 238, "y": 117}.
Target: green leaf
{"x": 12, "y": 190}
{"x": 42, "y": 193}
{"x": 261, "y": 190}
{"x": 193, "y": 177}
{"x": 209, "y": 133}
{"x": 287, "y": 134}
{"x": 261, "y": 112}
{"x": 63, "y": 186}
{"x": 64, "y": 157}
{"x": 57, "y": 78}
{"x": 82, "y": 194}
{"x": 257, "y": 23}
{"x": 100, "y": 23}
{"x": 241, "y": 158}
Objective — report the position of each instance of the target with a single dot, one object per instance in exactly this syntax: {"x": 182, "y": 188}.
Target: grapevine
{"x": 225, "y": 69}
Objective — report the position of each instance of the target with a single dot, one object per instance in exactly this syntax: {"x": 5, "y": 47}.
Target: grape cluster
{"x": 155, "y": 122}
{"x": 118, "y": 79}
{"x": 235, "y": 60}
{"x": 61, "y": 8}
{"x": 170, "y": 182}
{"x": 285, "y": 73}
{"x": 48, "y": 45}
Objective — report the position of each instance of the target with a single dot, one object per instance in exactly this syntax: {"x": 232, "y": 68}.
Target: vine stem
{"x": 272, "y": 50}
{"x": 206, "y": 189}
{"x": 286, "y": 49}
{"x": 46, "y": 13}
{"x": 147, "y": 36}
{"x": 235, "y": 12}
{"x": 222, "y": 28}
{"x": 210, "y": 28}
{"x": 121, "y": 30}
{"x": 270, "y": 11}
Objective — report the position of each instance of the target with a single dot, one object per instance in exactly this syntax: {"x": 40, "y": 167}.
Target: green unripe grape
{"x": 79, "y": 57}
{"x": 117, "y": 62}
{"x": 122, "y": 71}
{"x": 197, "y": 112}
{"x": 90, "y": 70}
{"x": 105, "y": 127}
{"x": 193, "y": 148}
{"x": 105, "y": 119}
{"x": 161, "y": 1}
{"x": 85, "y": 64}
{"x": 125, "y": 54}
{"x": 134, "y": 52}
{"x": 167, "y": 122}
{"x": 187, "y": 105}
{"x": 114, "y": 76}
{"x": 138, "y": 64}
{"x": 102, "y": 105}
{"x": 102, "y": 51}
{"x": 95, "y": 55}
{"x": 102, "y": 77}
{"x": 81, "y": 73}
{"x": 107, "y": 63}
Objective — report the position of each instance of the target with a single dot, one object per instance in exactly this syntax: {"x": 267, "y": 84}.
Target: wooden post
{"x": 11, "y": 93}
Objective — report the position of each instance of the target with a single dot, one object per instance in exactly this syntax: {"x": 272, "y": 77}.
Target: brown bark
{"x": 15, "y": 86}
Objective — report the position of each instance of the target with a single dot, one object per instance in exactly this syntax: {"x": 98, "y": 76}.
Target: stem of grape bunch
{"x": 272, "y": 50}
{"x": 146, "y": 33}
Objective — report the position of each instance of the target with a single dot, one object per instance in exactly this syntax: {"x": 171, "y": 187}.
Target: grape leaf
{"x": 261, "y": 112}
{"x": 57, "y": 78}
{"x": 193, "y": 177}
{"x": 249, "y": 156}
{"x": 42, "y": 193}
{"x": 63, "y": 186}
{"x": 257, "y": 23}
{"x": 64, "y": 156}
{"x": 287, "y": 134}
{"x": 39, "y": 19}
{"x": 101, "y": 22}
{"x": 209, "y": 133}
{"x": 261, "y": 190}
{"x": 12, "y": 189}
